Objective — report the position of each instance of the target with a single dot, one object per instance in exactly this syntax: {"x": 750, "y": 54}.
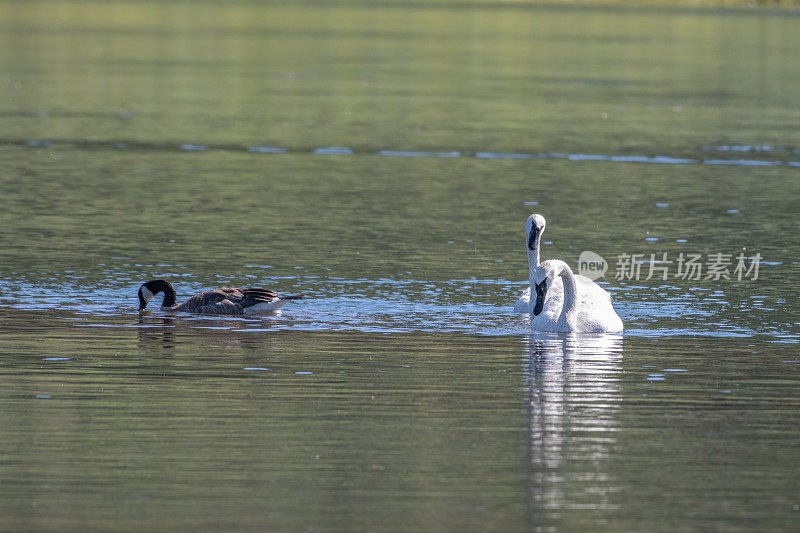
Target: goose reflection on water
{"x": 164, "y": 332}
{"x": 157, "y": 332}
{"x": 573, "y": 395}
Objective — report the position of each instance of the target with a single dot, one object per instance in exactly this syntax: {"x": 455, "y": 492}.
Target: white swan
{"x": 534, "y": 227}
{"x": 587, "y": 312}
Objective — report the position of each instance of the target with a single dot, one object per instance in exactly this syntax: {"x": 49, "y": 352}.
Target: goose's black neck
{"x": 160, "y": 285}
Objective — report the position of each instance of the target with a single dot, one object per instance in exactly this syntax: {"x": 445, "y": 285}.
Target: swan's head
{"x": 533, "y": 229}
{"x": 543, "y": 279}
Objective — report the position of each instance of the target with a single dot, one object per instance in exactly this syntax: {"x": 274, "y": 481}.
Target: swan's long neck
{"x": 533, "y": 256}
{"x": 569, "y": 311}
{"x": 533, "y": 264}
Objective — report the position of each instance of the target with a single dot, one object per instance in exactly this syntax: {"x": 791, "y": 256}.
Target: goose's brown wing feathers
{"x": 214, "y": 301}
{"x": 262, "y": 295}
{"x": 228, "y": 300}
{"x": 253, "y": 296}
{"x": 223, "y": 307}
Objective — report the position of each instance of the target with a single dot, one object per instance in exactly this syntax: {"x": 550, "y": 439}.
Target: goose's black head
{"x": 533, "y": 229}
{"x": 153, "y": 287}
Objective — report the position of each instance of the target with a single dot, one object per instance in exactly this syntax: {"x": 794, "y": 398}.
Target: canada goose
{"x": 587, "y": 312}
{"x": 534, "y": 227}
{"x": 222, "y": 301}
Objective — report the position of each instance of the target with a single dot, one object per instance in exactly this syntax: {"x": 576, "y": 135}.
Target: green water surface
{"x": 191, "y": 141}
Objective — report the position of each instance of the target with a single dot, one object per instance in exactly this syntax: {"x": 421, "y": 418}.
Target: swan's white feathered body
{"x": 579, "y": 311}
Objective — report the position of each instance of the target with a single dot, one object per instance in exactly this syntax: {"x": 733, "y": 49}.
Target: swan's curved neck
{"x": 569, "y": 311}
{"x": 533, "y": 264}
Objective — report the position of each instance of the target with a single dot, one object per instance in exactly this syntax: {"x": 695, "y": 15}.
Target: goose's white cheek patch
{"x": 146, "y": 294}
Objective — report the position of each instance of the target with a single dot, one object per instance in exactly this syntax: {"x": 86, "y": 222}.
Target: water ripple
{"x": 394, "y": 152}
{"x": 395, "y": 305}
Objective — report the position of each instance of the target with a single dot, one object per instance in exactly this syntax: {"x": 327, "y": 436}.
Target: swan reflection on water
{"x": 572, "y": 395}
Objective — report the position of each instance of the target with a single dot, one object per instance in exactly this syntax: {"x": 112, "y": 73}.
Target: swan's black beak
{"x": 541, "y": 292}
{"x": 142, "y": 302}
{"x": 532, "y": 236}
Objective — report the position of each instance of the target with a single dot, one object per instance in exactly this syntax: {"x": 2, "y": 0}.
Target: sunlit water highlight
{"x": 405, "y": 304}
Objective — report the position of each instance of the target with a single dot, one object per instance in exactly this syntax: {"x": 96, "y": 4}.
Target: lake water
{"x": 382, "y": 160}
